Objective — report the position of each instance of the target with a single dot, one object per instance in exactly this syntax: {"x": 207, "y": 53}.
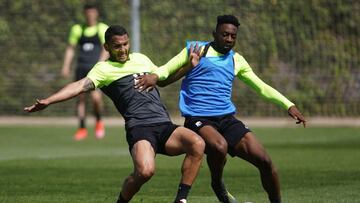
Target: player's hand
{"x": 195, "y": 54}
{"x": 38, "y": 106}
{"x": 146, "y": 82}
{"x": 295, "y": 113}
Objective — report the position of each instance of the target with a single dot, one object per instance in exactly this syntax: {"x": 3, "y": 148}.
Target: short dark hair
{"x": 227, "y": 19}
{"x": 90, "y": 6}
{"x": 114, "y": 30}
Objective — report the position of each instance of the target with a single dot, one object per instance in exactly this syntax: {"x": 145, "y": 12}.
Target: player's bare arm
{"x": 69, "y": 55}
{"x": 146, "y": 82}
{"x": 295, "y": 113}
{"x": 69, "y": 91}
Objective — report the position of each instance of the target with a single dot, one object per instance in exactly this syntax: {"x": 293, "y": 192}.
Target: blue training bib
{"x": 206, "y": 89}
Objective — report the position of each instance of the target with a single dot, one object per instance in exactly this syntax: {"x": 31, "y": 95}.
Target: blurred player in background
{"x": 205, "y": 102}
{"x": 89, "y": 38}
{"x": 149, "y": 129}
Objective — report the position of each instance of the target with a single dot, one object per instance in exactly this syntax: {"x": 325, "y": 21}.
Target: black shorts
{"x": 81, "y": 72}
{"x": 157, "y": 134}
{"x": 228, "y": 126}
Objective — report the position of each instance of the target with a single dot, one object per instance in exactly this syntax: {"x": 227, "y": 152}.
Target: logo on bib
{"x": 88, "y": 46}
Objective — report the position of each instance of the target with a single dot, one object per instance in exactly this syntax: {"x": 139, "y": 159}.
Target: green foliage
{"x": 308, "y": 50}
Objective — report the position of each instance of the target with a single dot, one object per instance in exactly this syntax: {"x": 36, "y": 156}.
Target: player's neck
{"x": 217, "y": 48}
{"x": 91, "y": 23}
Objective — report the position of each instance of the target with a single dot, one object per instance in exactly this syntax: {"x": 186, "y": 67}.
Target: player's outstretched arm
{"x": 146, "y": 82}
{"x": 295, "y": 113}
{"x": 195, "y": 53}
{"x": 69, "y": 91}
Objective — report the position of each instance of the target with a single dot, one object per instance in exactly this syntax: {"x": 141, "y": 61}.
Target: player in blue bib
{"x": 205, "y": 102}
{"x": 208, "y": 85}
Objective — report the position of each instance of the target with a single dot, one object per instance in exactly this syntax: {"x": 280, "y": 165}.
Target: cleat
{"x": 223, "y": 195}
{"x": 99, "y": 130}
{"x": 228, "y": 198}
{"x": 182, "y": 201}
{"x": 231, "y": 199}
{"x": 80, "y": 134}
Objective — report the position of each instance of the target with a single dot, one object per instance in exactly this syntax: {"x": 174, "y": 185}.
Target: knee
{"x": 267, "y": 166}
{"x": 219, "y": 149}
{"x": 97, "y": 99}
{"x": 145, "y": 173}
{"x": 198, "y": 147}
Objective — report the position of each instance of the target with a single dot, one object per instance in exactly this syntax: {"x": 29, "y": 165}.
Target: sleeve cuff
{"x": 161, "y": 74}
{"x": 288, "y": 104}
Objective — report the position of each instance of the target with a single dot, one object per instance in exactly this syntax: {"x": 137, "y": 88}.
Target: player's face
{"x": 118, "y": 48}
{"x": 91, "y": 15}
{"x": 225, "y": 37}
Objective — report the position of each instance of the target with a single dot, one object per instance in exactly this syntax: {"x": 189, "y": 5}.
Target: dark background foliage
{"x": 308, "y": 50}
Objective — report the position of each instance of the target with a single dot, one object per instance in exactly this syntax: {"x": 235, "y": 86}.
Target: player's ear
{"x": 214, "y": 34}
{"x": 106, "y": 47}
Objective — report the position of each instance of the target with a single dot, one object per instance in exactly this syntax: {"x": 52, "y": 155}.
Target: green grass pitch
{"x": 44, "y": 164}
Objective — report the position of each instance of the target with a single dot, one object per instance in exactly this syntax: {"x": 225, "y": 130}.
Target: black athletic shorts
{"x": 157, "y": 134}
{"x": 228, "y": 126}
{"x": 81, "y": 72}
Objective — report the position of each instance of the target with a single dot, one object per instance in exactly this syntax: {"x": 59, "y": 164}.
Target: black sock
{"x": 97, "y": 116}
{"x": 220, "y": 190}
{"x": 121, "y": 199}
{"x": 183, "y": 192}
{"x": 275, "y": 200}
{"x": 82, "y": 123}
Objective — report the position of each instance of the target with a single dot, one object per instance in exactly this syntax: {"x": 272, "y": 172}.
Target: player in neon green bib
{"x": 149, "y": 130}
{"x": 89, "y": 39}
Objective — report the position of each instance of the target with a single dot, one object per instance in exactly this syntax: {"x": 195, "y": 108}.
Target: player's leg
{"x": 143, "y": 156}
{"x": 183, "y": 140}
{"x": 98, "y": 107}
{"x": 250, "y": 149}
{"x": 216, "y": 150}
{"x": 81, "y": 110}
{"x": 96, "y": 97}
{"x": 81, "y": 133}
